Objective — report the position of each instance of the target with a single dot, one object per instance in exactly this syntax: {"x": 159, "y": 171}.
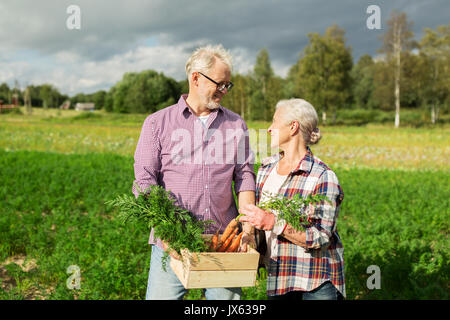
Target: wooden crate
{"x": 217, "y": 269}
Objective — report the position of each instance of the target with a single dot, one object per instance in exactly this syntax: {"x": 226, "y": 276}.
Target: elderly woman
{"x": 305, "y": 265}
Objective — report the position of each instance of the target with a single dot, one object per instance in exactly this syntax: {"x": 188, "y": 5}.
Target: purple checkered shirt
{"x": 197, "y": 164}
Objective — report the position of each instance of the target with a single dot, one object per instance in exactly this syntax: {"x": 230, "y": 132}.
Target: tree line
{"x": 407, "y": 74}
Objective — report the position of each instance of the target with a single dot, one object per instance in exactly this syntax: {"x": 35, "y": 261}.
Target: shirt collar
{"x": 272, "y": 160}
{"x": 183, "y": 106}
{"x": 305, "y": 164}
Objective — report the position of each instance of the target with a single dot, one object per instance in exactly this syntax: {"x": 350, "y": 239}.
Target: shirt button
{"x": 206, "y": 187}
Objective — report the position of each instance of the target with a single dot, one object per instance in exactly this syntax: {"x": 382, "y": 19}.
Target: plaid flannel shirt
{"x": 294, "y": 267}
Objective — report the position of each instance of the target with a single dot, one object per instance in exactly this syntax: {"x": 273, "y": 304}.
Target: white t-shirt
{"x": 204, "y": 119}
{"x": 272, "y": 186}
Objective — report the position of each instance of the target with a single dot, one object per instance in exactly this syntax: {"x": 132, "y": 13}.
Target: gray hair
{"x": 302, "y": 111}
{"x": 203, "y": 58}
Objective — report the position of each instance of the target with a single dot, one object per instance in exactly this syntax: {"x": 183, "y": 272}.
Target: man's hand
{"x": 172, "y": 253}
{"x": 257, "y": 217}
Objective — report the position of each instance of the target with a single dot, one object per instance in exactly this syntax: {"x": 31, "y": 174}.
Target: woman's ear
{"x": 295, "y": 126}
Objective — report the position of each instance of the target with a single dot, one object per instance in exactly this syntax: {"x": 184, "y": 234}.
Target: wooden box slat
{"x": 217, "y": 269}
{"x": 220, "y": 279}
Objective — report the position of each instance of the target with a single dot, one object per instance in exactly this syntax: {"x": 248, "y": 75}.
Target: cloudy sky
{"x": 115, "y": 37}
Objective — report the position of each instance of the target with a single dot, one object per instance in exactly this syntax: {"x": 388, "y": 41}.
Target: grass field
{"x": 372, "y": 146}
{"x": 57, "y": 170}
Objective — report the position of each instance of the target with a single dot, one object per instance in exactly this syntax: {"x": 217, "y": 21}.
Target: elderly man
{"x": 196, "y": 148}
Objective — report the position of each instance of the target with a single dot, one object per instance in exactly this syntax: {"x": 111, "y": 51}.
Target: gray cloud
{"x": 115, "y": 30}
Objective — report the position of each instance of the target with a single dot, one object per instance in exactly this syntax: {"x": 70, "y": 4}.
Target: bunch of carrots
{"x": 229, "y": 241}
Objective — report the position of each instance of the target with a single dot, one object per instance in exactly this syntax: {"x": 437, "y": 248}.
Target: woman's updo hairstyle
{"x": 302, "y": 111}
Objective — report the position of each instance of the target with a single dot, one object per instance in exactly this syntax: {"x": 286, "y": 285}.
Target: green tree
{"x": 5, "y": 92}
{"x": 79, "y": 98}
{"x": 292, "y": 87}
{"x": 144, "y": 92}
{"x": 99, "y": 99}
{"x": 237, "y": 99}
{"x": 383, "y": 82}
{"x": 262, "y": 76}
{"x": 36, "y": 100}
{"x": 27, "y": 101}
{"x": 109, "y": 100}
{"x": 398, "y": 38}
{"x": 363, "y": 82}
{"x": 184, "y": 86}
{"x": 50, "y": 96}
{"x": 274, "y": 94}
{"x": 323, "y": 72}
{"x": 120, "y": 92}
{"x": 435, "y": 61}
{"x": 411, "y": 72}
{"x": 137, "y": 96}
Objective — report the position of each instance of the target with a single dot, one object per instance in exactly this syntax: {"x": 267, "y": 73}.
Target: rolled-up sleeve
{"x": 326, "y": 212}
{"x": 147, "y": 160}
{"x": 244, "y": 174}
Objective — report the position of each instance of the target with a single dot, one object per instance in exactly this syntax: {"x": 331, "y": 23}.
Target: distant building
{"x": 89, "y": 106}
{"x": 65, "y": 105}
{"x": 6, "y": 106}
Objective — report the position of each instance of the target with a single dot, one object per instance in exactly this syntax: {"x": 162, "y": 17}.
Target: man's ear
{"x": 194, "y": 78}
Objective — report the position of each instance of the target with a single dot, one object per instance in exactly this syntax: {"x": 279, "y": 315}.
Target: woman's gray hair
{"x": 203, "y": 58}
{"x": 302, "y": 111}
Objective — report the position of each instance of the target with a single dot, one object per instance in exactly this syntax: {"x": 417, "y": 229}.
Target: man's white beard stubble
{"x": 212, "y": 105}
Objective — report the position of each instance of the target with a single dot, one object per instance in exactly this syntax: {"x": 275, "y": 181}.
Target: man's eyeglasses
{"x": 220, "y": 85}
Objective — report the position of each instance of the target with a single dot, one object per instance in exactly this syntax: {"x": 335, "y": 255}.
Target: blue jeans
{"x": 326, "y": 291}
{"x": 165, "y": 285}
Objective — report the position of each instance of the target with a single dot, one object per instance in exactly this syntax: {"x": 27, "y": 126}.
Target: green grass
{"x": 53, "y": 212}
{"x": 398, "y": 221}
{"x": 369, "y": 146}
{"x": 58, "y": 167}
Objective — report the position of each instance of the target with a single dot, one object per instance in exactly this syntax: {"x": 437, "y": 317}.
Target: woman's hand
{"x": 248, "y": 239}
{"x": 257, "y": 217}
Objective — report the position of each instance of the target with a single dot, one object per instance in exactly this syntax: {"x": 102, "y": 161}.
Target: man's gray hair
{"x": 203, "y": 58}
{"x": 302, "y": 111}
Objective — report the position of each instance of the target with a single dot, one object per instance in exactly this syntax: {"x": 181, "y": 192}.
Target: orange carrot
{"x": 227, "y": 242}
{"x": 214, "y": 240}
{"x": 228, "y": 230}
{"x": 235, "y": 243}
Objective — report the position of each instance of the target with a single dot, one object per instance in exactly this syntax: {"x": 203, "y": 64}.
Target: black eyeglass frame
{"x": 227, "y": 86}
